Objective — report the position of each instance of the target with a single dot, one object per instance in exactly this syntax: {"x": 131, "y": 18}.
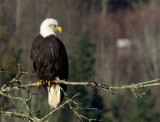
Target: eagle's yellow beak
{"x": 59, "y": 29}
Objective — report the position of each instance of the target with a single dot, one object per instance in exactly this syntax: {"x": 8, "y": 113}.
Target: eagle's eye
{"x": 52, "y": 26}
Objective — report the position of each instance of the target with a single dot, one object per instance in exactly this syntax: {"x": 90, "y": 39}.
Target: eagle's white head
{"x": 49, "y": 26}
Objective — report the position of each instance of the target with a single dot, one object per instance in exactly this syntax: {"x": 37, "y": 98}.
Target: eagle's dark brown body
{"x": 49, "y": 59}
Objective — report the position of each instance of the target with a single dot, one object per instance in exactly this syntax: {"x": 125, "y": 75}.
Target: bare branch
{"x": 6, "y": 90}
{"x": 104, "y": 86}
{"x": 14, "y": 114}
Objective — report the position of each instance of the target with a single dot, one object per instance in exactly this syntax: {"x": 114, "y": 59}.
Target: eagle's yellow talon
{"x": 49, "y": 83}
{"x": 38, "y": 83}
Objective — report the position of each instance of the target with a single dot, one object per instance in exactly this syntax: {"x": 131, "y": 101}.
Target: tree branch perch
{"x": 7, "y": 88}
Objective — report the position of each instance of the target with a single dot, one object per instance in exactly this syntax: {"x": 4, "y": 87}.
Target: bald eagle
{"x": 50, "y": 61}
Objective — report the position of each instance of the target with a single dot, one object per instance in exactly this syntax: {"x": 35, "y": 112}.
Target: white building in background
{"x": 124, "y": 43}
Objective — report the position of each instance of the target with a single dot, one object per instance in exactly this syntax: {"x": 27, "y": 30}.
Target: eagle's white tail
{"x": 54, "y": 95}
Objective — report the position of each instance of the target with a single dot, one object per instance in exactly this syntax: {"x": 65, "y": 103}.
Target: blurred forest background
{"x": 115, "y": 41}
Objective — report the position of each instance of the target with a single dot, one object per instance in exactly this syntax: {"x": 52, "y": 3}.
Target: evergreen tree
{"x": 81, "y": 68}
{"x": 81, "y": 64}
{"x": 82, "y": 59}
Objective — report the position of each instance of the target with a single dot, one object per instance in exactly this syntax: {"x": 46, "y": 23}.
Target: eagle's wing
{"x": 59, "y": 56}
{"x": 35, "y": 50}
